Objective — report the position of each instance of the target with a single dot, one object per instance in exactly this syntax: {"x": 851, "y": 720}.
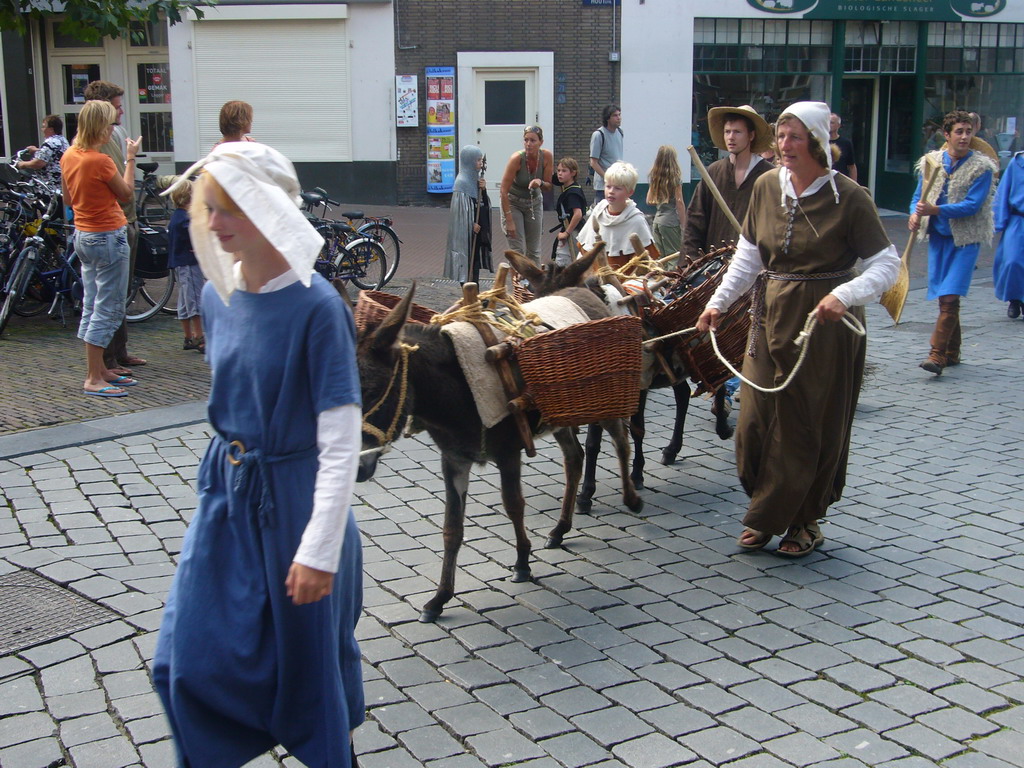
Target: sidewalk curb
{"x": 98, "y": 430}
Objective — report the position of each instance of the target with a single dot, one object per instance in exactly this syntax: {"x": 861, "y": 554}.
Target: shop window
{"x": 728, "y": 45}
{"x": 999, "y": 100}
{"x": 151, "y": 34}
{"x": 157, "y": 132}
{"x": 64, "y": 40}
{"x": 75, "y": 78}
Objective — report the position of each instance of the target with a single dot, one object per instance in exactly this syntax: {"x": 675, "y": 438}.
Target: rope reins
{"x": 400, "y": 373}
{"x": 802, "y": 340}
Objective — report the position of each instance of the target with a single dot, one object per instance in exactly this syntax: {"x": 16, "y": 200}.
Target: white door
{"x": 505, "y": 101}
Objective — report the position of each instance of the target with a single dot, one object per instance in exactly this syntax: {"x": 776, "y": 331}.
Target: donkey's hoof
{"x": 669, "y": 457}
{"x": 429, "y": 615}
{"x": 638, "y": 482}
{"x": 519, "y": 575}
{"x": 726, "y": 433}
{"x": 553, "y": 542}
{"x": 635, "y": 506}
{"x": 584, "y": 505}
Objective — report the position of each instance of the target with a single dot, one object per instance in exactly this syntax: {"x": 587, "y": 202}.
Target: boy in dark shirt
{"x": 571, "y": 207}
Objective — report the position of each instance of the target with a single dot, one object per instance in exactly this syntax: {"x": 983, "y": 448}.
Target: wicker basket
{"x": 584, "y": 373}
{"x": 373, "y": 306}
{"x": 520, "y": 292}
{"x": 696, "y": 351}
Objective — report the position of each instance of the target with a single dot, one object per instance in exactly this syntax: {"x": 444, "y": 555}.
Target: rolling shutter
{"x": 294, "y": 73}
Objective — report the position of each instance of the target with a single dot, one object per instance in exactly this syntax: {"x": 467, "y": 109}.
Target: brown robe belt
{"x": 757, "y": 298}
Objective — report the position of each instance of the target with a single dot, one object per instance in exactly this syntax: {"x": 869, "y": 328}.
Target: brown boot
{"x": 953, "y": 345}
{"x": 949, "y": 319}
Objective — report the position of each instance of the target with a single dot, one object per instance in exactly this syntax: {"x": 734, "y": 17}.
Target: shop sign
{"x": 440, "y": 129}
{"x": 910, "y": 10}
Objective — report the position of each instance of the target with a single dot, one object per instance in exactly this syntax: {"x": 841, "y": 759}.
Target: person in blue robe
{"x": 257, "y": 645}
{"x": 1008, "y": 208}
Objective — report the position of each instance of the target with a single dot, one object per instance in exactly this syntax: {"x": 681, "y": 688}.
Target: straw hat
{"x": 978, "y": 145}
{"x": 716, "y": 126}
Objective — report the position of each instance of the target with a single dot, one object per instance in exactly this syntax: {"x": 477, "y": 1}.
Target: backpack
{"x": 590, "y": 168}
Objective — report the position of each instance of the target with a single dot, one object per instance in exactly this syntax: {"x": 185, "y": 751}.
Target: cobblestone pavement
{"x": 646, "y": 642}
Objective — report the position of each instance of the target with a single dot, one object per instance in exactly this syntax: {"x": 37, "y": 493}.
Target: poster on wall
{"x": 440, "y": 129}
{"x": 407, "y": 98}
{"x": 154, "y": 83}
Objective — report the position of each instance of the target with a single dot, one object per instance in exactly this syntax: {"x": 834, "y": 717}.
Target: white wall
{"x": 657, "y": 77}
{"x": 372, "y": 64}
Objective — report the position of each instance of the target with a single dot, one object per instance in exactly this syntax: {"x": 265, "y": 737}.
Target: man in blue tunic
{"x": 956, "y": 218}
{"x": 1008, "y": 268}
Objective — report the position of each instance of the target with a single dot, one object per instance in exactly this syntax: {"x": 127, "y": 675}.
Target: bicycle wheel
{"x": 38, "y": 294}
{"x": 154, "y": 209}
{"x": 19, "y": 279}
{"x": 388, "y": 239}
{"x": 147, "y": 296}
{"x": 364, "y": 263}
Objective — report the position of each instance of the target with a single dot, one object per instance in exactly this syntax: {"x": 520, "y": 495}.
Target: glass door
{"x": 898, "y": 153}
{"x": 149, "y": 91}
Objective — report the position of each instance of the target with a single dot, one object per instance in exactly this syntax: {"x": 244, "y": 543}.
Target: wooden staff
{"x": 476, "y": 217}
{"x": 714, "y": 190}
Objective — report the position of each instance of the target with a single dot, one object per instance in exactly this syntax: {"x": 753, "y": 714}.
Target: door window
{"x": 505, "y": 102}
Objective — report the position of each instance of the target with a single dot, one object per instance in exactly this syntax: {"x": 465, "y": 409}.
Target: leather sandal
{"x": 807, "y": 538}
{"x": 756, "y": 540}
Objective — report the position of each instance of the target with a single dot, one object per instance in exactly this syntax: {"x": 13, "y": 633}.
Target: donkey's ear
{"x": 526, "y": 267}
{"x": 386, "y": 334}
{"x": 573, "y": 274}
{"x": 341, "y": 286}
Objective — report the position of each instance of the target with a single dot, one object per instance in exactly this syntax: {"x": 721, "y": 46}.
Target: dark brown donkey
{"x": 429, "y": 385}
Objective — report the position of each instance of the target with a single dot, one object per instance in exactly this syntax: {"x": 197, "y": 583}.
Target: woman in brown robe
{"x": 805, "y": 231}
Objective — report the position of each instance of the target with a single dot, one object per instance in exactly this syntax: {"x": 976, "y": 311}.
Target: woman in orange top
{"x": 93, "y": 188}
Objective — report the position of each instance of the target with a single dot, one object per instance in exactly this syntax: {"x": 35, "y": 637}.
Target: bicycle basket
{"x": 151, "y": 256}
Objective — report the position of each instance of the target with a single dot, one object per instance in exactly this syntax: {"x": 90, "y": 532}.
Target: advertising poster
{"x": 154, "y": 83}
{"x": 440, "y": 129}
{"x": 407, "y": 99}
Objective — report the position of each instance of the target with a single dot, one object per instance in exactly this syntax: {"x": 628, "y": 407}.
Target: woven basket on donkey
{"x": 373, "y": 306}
{"x": 695, "y": 349}
{"x": 520, "y": 292}
{"x": 585, "y": 372}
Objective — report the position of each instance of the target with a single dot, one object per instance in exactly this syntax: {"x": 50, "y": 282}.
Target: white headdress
{"x": 263, "y": 184}
{"x": 815, "y": 116}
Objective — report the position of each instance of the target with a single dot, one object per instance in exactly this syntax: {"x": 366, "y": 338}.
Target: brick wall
{"x": 580, "y": 37}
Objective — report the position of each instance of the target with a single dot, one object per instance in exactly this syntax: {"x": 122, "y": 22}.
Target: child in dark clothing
{"x": 182, "y": 259}
{"x": 571, "y": 207}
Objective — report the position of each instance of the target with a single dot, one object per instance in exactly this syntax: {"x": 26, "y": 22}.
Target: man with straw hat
{"x": 744, "y": 134}
{"x": 955, "y": 217}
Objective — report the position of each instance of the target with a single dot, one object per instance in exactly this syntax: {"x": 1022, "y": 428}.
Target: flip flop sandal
{"x": 123, "y": 381}
{"x": 807, "y": 538}
{"x": 105, "y": 392}
{"x": 758, "y": 542}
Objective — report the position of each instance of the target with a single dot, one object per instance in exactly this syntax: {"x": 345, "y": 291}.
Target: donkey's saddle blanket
{"x": 488, "y": 394}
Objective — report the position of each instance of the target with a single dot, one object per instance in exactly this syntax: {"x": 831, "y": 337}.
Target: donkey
{"x": 428, "y": 384}
{"x": 543, "y": 283}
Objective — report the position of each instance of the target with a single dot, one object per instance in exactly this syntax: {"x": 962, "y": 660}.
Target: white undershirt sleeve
{"x": 337, "y": 437}
{"x": 743, "y": 271}
{"x": 878, "y": 274}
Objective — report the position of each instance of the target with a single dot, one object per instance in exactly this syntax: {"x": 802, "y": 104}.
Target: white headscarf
{"x": 815, "y": 116}
{"x": 263, "y": 184}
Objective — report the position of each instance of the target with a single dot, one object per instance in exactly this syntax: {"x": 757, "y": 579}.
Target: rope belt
{"x": 757, "y": 298}
{"x": 251, "y": 466}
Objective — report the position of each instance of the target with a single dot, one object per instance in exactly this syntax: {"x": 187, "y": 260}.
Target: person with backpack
{"x": 571, "y": 208}
{"x": 605, "y": 148}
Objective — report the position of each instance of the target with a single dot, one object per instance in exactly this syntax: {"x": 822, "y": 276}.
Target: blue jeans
{"x": 104, "y": 257}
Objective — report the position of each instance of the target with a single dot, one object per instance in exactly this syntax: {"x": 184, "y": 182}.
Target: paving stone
{"x": 926, "y": 741}
{"x": 639, "y": 696}
{"x": 19, "y": 696}
{"x": 574, "y": 749}
{"x": 677, "y": 719}
{"x": 543, "y": 679}
{"x": 652, "y": 751}
{"x": 107, "y": 753}
{"x": 767, "y": 696}
{"x": 395, "y": 718}
{"x": 503, "y": 747}
{"x": 77, "y": 704}
{"x": 430, "y": 743}
{"x": 82, "y": 730}
{"x": 1004, "y": 745}
{"x": 541, "y": 723}
{"x": 149, "y": 729}
{"x": 815, "y": 720}
{"x": 41, "y": 753}
{"x": 475, "y": 674}
{"x": 866, "y": 746}
{"x": 720, "y": 744}
{"x": 909, "y": 700}
{"x": 860, "y": 677}
{"x": 506, "y": 699}
{"x": 71, "y": 676}
{"x": 800, "y": 749}
{"x": 31, "y": 726}
{"x": 611, "y": 726}
{"x": 958, "y": 724}
{"x": 755, "y": 724}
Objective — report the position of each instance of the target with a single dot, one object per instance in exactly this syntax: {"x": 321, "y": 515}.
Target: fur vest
{"x": 966, "y": 230}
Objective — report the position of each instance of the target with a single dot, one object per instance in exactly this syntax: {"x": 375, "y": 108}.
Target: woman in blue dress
{"x": 1008, "y": 267}
{"x": 257, "y": 645}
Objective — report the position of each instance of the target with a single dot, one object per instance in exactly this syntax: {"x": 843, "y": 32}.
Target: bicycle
{"x": 347, "y": 253}
{"x": 380, "y": 229}
{"x": 153, "y": 286}
{"x": 45, "y": 273}
{"x": 150, "y": 208}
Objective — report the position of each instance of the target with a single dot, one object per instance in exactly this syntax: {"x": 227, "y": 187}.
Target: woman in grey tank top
{"x": 522, "y": 209}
